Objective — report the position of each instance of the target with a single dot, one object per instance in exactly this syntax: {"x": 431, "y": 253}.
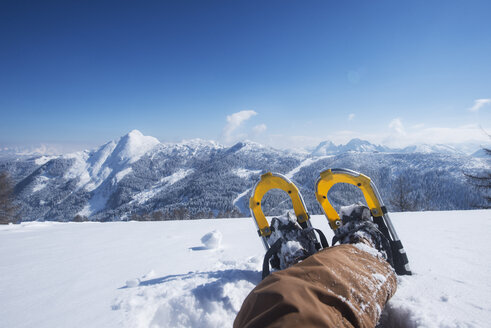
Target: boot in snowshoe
{"x": 378, "y": 211}
{"x": 289, "y": 239}
{"x": 357, "y": 227}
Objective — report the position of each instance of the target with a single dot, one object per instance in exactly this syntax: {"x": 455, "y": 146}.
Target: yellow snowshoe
{"x": 330, "y": 177}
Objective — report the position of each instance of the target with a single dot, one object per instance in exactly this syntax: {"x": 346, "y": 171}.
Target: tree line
{"x": 9, "y": 211}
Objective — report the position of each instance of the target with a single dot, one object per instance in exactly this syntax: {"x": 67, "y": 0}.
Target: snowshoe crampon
{"x": 288, "y": 239}
{"x": 330, "y": 177}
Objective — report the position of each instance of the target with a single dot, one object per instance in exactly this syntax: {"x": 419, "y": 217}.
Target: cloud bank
{"x": 479, "y": 103}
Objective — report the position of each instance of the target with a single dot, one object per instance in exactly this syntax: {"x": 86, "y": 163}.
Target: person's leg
{"x": 342, "y": 286}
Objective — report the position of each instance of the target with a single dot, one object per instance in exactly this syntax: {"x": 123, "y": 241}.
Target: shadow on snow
{"x": 221, "y": 278}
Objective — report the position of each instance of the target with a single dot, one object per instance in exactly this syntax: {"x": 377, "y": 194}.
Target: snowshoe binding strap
{"x": 290, "y": 244}
{"x": 322, "y": 237}
{"x": 275, "y": 248}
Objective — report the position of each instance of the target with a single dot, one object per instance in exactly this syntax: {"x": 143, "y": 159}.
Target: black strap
{"x": 379, "y": 221}
{"x": 322, "y": 237}
{"x": 277, "y": 245}
{"x": 271, "y": 251}
{"x": 335, "y": 239}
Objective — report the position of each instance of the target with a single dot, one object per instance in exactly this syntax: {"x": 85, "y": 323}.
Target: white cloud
{"x": 351, "y": 116}
{"x": 234, "y": 121}
{"x": 258, "y": 129}
{"x": 396, "y": 125}
{"x": 478, "y": 103}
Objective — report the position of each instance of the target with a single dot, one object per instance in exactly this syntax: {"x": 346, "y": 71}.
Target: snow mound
{"x": 132, "y": 283}
{"x": 195, "y": 299}
{"x": 212, "y": 240}
{"x": 420, "y": 311}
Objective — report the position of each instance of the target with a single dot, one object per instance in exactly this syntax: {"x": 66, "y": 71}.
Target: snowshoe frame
{"x": 270, "y": 181}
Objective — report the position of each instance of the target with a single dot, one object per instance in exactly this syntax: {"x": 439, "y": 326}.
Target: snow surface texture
{"x": 158, "y": 274}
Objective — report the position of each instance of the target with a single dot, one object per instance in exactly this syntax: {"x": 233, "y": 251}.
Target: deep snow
{"x": 159, "y": 274}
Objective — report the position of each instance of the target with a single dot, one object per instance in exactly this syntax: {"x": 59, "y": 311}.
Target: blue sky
{"x": 76, "y": 74}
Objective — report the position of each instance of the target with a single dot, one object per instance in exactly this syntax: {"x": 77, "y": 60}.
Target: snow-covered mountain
{"x": 111, "y": 161}
{"x": 428, "y": 149}
{"x": 482, "y": 153}
{"x": 354, "y": 145}
{"x": 138, "y": 177}
{"x": 358, "y": 145}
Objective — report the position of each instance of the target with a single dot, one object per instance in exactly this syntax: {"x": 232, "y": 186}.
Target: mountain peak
{"x": 358, "y": 141}
{"x": 247, "y": 145}
{"x": 135, "y": 133}
{"x": 354, "y": 145}
{"x": 132, "y": 146}
{"x": 325, "y": 148}
{"x": 359, "y": 145}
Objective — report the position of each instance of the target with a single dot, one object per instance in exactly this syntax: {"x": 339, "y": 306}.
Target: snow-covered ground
{"x": 159, "y": 274}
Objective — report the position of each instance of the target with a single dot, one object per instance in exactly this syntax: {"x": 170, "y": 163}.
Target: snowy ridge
{"x": 164, "y": 183}
{"x": 305, "y": 163}
{"x": 363, "y": 146}
{"x": 44, "y": 159}
{"x": 199, "y": 144}
{"x": 354, "y": 145}
{"x": 191, "y": 148}
{"x": 427, "y": 149}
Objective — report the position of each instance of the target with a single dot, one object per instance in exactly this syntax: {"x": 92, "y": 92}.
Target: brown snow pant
{"x": 342, "y": 286}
